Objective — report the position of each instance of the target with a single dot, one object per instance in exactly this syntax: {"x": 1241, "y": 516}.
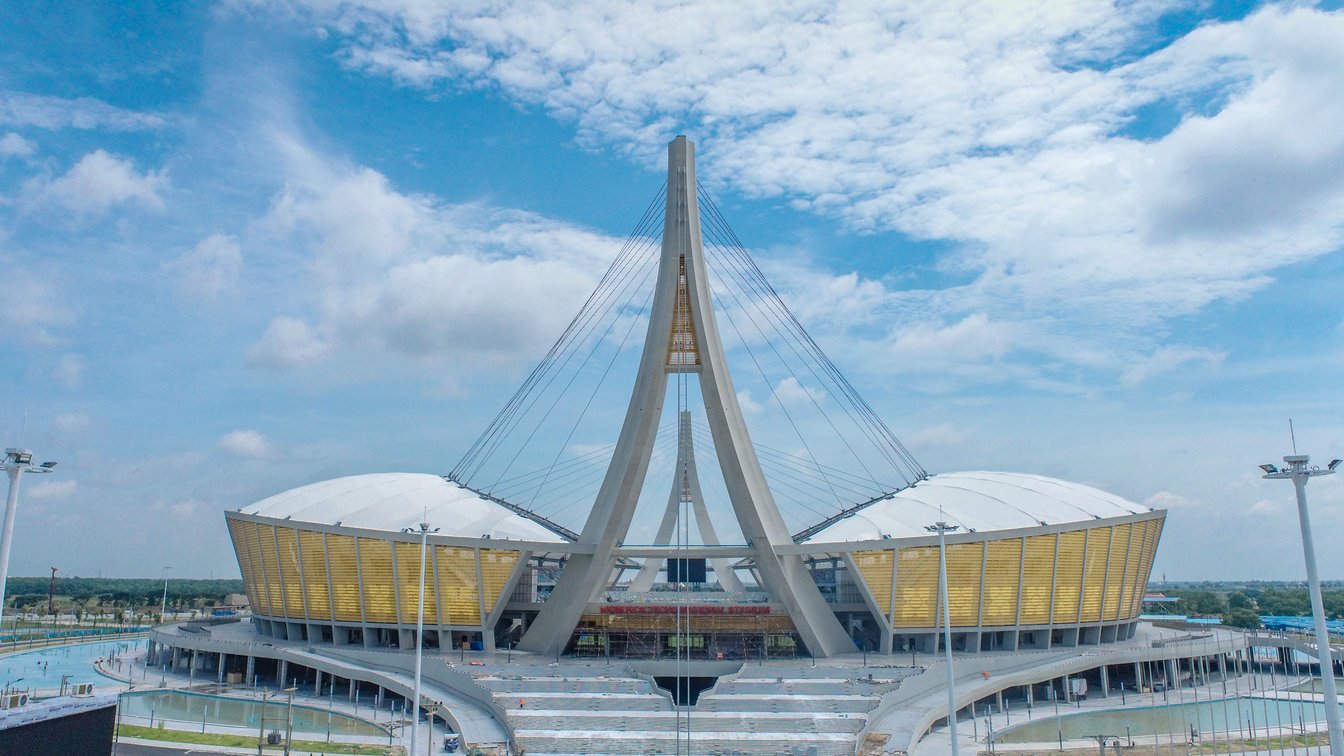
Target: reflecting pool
{"x": 1241, "y": 716}
{"x": 239, "y": 712}
{"x": 42, "y": 670}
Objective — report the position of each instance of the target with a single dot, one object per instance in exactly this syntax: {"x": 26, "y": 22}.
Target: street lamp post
{"x": 424, "y": 530}
{"x": 17, "y": 462}
{"x": 1296, "y": 469}
{"x": 942, "y": 529}
{"x": 163, "y": 608}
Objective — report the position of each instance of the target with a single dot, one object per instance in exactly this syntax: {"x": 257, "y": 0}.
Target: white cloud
{"x": 209, "y": 269}
{"x": 245, "y": 443}
{"x": 287, "y": 343}
{"x": 1167, "y": 359}
{"x": 748, "y": 404}
{"x": 55, "y": 489}
{"x": 407, "y": 275}
{"x": 14, "y": 145}
{"x": 72, "y": 423}
{"x": 1265, "y": 506}
{"x": 41, "y": 111}
{"x": 1169, "y": 500}
{"x": 998, "y": 130}
{"x": 973, "y": 338}
{"x": 31, "y": 308}
{"x": 69, "y": 371}
{"x": 96, "y": 184}
{"x": 944, "y": 434}
{"x": 791, "y": 393}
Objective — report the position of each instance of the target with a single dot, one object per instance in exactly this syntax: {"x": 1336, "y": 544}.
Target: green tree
{"x": 1242, "y": 618}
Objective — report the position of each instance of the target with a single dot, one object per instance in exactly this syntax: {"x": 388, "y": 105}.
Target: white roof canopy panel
{"x": 392, "y": 501}
{"x": 979, "y": 502}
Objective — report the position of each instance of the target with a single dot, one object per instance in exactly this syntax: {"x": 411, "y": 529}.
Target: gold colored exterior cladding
{"x": 261, "y": 598}
{"x": 1069, "y": 576}
{"x": 1094, "y": 573}
{"x": 1003, "y": 562}
{"x": 1115, "y": 580}
{"x": 1038, "y": 569}
{"x": 240, "y": 550}
{"x": 375, "y": 564}
{"x": 875, "y": 569}
{"x": 496, "y": 567}
{"x": 408, "y": 585}
{"x": 344, "y": 577}
{"x": 963, "y": 582}
{"x": 287, "y": 550}
{"x": 916, "y": 587}
{"x": 1146, "y": 564}
{"x": 313, "y": 559}
{"x": 457, "y": 585}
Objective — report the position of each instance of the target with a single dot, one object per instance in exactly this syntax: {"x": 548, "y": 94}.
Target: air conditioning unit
{"x": 13, "y": 700}
{"x": 82, "y": 689}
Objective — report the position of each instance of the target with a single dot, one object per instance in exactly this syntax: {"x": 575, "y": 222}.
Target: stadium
{"x": 1037, "y": 562}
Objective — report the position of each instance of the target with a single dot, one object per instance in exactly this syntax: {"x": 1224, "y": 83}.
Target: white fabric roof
{"x": 979, "y": 501}
{"x": 392, "y": 501}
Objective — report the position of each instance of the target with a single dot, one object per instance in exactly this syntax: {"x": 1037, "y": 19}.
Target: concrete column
{"x": 1138, "y": 677}
{"x": 1105, "y": 683}
{"x": 282, "y": 673}
{"x": 488, "y": 641}
{"x": 352, "y": 689}
{"x": 177, "y": 657}
{"x": 317, "y": 681}
{"x": 340, "y": 636}
{"x": 1222, "y": 665}
{"x": 884, "y": 646}
{"x": 251, "y": 675}
{"x": 1031, "y": 697}
{"x": 222, "y": 663}
{"x": 378, "y": 699}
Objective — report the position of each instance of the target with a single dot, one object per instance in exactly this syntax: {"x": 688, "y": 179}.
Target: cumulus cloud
{"x": 32, "y": 309}
{"x": 47, "y": 112}
{"x": 69, "y": 371}
{"x": 55, "y": 489}
{"x": 96, "y": 184}
{"x": 72, "y": 423}
{"x": 1169, "y": 500}
{"x": 287, "y": 343}
{"x": 408, "y": 275}
{"x": 1167, "y": 359}
{"x": 207, "y": 270}
{"x": 245, "y": 443}
{"x": 1011, "y": 135}
{"x": 944, "y": 434}
{"x": 14, "y": 145}
{"x": 974, "y": 337}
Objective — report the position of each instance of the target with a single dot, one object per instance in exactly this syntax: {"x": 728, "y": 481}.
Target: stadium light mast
{"x": 17, "y": 462}
{"x": 942, "y": 529}
{"x": 1296, "y": 469}
{"x": 163, "y": 607}
{"x": 424, "y": 531}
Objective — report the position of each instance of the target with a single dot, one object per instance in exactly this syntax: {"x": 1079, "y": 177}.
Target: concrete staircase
{"x": 600, "y": 711}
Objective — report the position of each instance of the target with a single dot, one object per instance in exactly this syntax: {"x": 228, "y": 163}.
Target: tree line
{"x": 31, "y": 592}
{"x": 1242, "y": 607}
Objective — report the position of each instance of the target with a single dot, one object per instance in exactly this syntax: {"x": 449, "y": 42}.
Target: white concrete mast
{"x": 683, "y": 337}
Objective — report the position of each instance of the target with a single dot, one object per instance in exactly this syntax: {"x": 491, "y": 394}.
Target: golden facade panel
{"x": 963, "y": 582}
{"x": 240, "y": 551}
{"x": 344, "y": 566}
{"x": 313, "y": 559}
{"x": 496, "y": 567}
{"x": 375, "y": 565}
{"x": 1003, "y": 563}
{"x": 457, "y": 585}
{"x": 1115, "y": 572}
{"x": 1094, "y": 573}
{"x": 270, "y": 562}
{"x": 1069, "y": 576}
{"x": 408, "y": 577}
{"x": 874, "y": 568}
{"x": 262, "y": 598}
{"x": 916, "y": 587}
{"x": 1154, "y": 534}
{"x": 287, "y": 556}
{"x": 1038, "y": 569}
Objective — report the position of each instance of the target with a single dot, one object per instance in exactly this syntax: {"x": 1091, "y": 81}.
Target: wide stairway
{"x": 603, "y": 710}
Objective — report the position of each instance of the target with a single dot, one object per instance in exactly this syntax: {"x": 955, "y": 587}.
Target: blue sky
{"x": 249, "y": 246}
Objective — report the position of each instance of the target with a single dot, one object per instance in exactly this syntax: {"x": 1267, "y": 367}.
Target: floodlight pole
{"x": 424, "y": 531}
{"x": 942, "y": 529}
{"x": 163, "y": 607}
{"x": 17, "y": 462}
{"x": 1296, "y": 470}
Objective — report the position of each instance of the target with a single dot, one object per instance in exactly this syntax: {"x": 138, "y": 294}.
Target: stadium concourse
{"x": 782, "y": 564}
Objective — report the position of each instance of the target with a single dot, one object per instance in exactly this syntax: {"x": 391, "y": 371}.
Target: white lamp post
{"x": 1296, "y": 470}
{"x": 17, "y": 462}
{"x": 424, "y": 532}
{"x": 942, "y": 529}
{"x": 163, "y": 608}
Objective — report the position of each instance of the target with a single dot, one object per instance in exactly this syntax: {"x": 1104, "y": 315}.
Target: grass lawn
{"x": 250, "y": 741}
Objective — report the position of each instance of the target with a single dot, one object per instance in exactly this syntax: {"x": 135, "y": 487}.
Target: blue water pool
{"x": 42, "y": 670}
{"x": 1237, "y": 716}
{"x": 181, "y": 708}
